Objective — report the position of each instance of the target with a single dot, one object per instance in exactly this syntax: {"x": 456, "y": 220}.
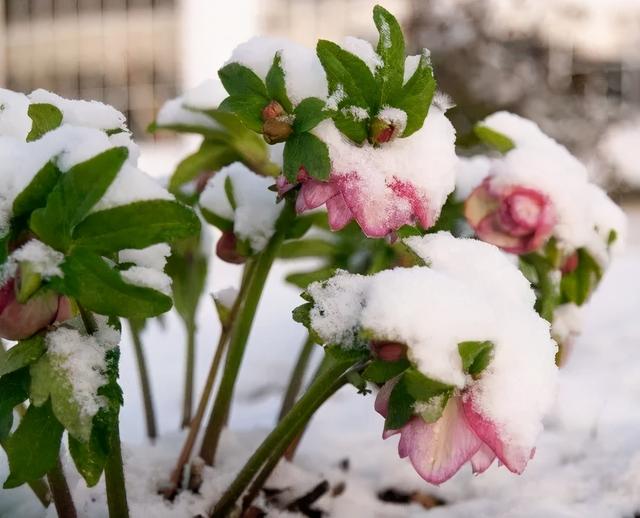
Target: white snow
{"x": 226, "y": 297}
{"x": 394, "y": 116}
{"x": 304, "y": 75}
{"x": 154, "y": 256}
{"x": 175, "y": 113}
{"x": 14, "y": 116}
{"x": 256, "y": 211}
{"x": 470, "y": 173}
{"x": 89, "y": 114}
{"x": 42, "y": 258}
{"x": 148, "y": 278}
{"x": 619, "y": 149}
{"x": 364, "y": 50}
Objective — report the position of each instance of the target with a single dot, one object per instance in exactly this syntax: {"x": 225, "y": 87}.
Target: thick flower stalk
{"x": 466, "y": 376}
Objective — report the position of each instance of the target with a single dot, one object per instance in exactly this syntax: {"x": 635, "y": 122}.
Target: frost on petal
{"x": 482, "y": 459}
{"x": 513, "y": 457}
{"x": 438, "y": 450}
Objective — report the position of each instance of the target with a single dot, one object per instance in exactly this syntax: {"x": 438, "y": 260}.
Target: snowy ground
{"x": 587, "y": 461}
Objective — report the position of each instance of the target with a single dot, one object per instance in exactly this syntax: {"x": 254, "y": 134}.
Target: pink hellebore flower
{"x": 438, "y": 450}
{"x": 21, "y": 321}
{"x": 517, "y": 219}
{"x": 347, "y": 197}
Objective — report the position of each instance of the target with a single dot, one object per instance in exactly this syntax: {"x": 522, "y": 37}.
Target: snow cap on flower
{"x": 482, "y": 297}
{"x": 536, "y": 190}
{"x": 241, "y": 204}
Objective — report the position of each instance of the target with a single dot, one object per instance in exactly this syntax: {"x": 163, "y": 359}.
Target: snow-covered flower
{"x": 467, "y": 376}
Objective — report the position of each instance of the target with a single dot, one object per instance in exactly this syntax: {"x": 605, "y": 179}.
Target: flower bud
{"x": 227, "y": 249}
{"x": 389, "y": 351}
{"x": 570, "y": 263}
{"x": 19, "y": 321}
{"x": 382, "y": 131}
{"x": 273, "y": 110}
{"x": 276, "y": 130}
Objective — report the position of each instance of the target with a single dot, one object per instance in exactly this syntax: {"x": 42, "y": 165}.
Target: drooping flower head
{"x": 466, "y": 375}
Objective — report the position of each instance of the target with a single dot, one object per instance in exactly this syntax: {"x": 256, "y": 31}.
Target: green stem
{"x": 322, "y": 388}
{"x": 194, "y": 428}
{"x": 237, "y": 345}
{"x": 187, "y": 403}
{"x": 145, "y": 385}
{"x": 297, "y": 377}
{"x": 114, "y": 478}
{"x": 61, "y": 494}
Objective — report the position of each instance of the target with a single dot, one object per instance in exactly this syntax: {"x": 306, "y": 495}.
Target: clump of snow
{"x": 364, "y": 50}
{"x": 148, "y": 278}
{"x": 254, "y": 210}
{"x": 226, "y": 297}
{"x": 43, "y": 259}
{"x": 585, "y": 214}
{"x": 14, "y": 116}
{"x": 335, "y": 98}
{"x": 394, "y": 116}
{"x": 567, "y": 322}
{"x": 125, "y": 139}
{"x": 470, "y": 292}
{"x": 304, "y": 75}
{"x": 426, "y": 160}
{"x": 470, "y": 173}
{"x": 148, "y": 267}
{"x": 154, "y": 256}
{"x": 82, "y": 357}
{"x": 181, "y": 111}
{"x": 89, "y": 114}
{"x": 411, "y": 63}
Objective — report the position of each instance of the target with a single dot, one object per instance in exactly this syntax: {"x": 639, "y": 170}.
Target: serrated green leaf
{"x": 308, "y": 151}
{"x": 494, "y": 139}
{"x": 44, "y": 118}
{"x": 379, "y": 371}
{"x": 34, "y": 196}
{"x": 248, "y": 108}
{"x": 217, "y": 221}
{"x": 22, "y": 354}
{"x": 77, "y": 191}
{"x": 136, "y": 225}
{"x": 351, "y": 127}
{"x": 276, "y": 85}
{"x": 14, "y": 389}
{"x": 415, "y": 96}
{"x": 303, "y": 279}
{"x": 475, "y": 356}
{"x": 242, "y": 81}
{"x": 99, "y": 288}
{"x": 391, "y": 49}
{"x": 307, "y": 248}
{"x": 308, "y": 114}
{"x": 33, "y": 448}
{"x": 211, "y": 156}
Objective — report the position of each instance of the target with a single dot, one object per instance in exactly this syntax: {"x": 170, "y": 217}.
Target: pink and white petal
{"x": 301, "y": 204}
{"x": 482, "y": 459}
{"x": 418, "y": 202}
{"x": 513, "y": 456}
{"x": 370, "y": 213}
{"x": 438, "y": 450}
{"x": 317, "y": 193}
{"x": 382, "y": 398}
{"x": 480, "y": 203}
{"x": 489, "y": 230}
{"x": 339, "y": 213}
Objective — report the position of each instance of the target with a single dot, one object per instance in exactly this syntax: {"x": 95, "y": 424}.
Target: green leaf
{"x": 301, "y": 314}
{"x": 351, "y": 127}
{"x": 416, "y": 95}
{"x": 307, "y": 248}
{"x": 494, "y": 139}
{"x": 391, "y": 50}
{"x": 242, "y": 81}
{"x": 14, "y": 389}
{"x": 303, "y": 279}
{"x": 476, "y": 356}
{"x": 228, "y": 190}
{"x": 136, "y": 225}
{"x": 379, "y": 371}
{"x": 308, "y": 114}
{"x": 50, "y": 381}
{"x": 308, "y": 151}
{"x": 276, "y": 85}
{"x": 423, "y": 388}
{"x": 579, "y": 284}
{"x": 400, "y": 407}
{"x": 35, "y": 195}
{"x": 298, "y": 227}
{"x": 248, "y": 108}
{"x": 44, "y": 118}
{"x": 33, "y": 449}
{"x": 22, "y": 354}
{"x": 217, "y": 221}
{"x": 211, "y": 156}
{"x": 76, "y": 193}
{"x": 210, "y": 134}
{"x": 100, "y": 288}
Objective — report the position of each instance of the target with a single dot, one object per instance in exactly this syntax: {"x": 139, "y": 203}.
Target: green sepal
{"x": 475, "y": 356}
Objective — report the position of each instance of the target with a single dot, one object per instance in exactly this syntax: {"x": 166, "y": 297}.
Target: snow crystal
{"x": 426, "y": 159}
{"x": 90, "y": 114}
{"x": 42, "y": 258}
{"x": 335, "y": 98}
{"x": 226, "y": 297}
{"x": 585, "y": 213}
{"x": 364, "y": 50}
{"x": 255, "y": 212}
{"x": 394, "y": 116}
{"x": 357, "y": 112}
{"x": 154, "y": 256}
{"x": 470, "y": 292}
{"x": 83, "y": 358}
{"x": 14, "y": 116}
{"x": 148, "y": 278}
{"x": 304, "y": 75}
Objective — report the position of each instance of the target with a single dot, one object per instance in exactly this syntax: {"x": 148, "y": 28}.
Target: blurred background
{"x": 571, "y": 65}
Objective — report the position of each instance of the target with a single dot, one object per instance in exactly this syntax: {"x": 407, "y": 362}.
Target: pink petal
{"x": 382, "y": 398}
{"x": 514, "y": 457}
{"x": 490, "y": 230}
{"x": 339, "y": 213}
{"x": 438, "y": 450}
{"x": 480, "y": 203}
{"x": 20, "y": 321}
{"x": 283, "y": 185}
{"x": 482, "y": 459}
{"x": 301, "y": 204}
{"x": 388, "y": 351}
{"x": 317, "y": 193}
{"x": 417, "y": 201}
